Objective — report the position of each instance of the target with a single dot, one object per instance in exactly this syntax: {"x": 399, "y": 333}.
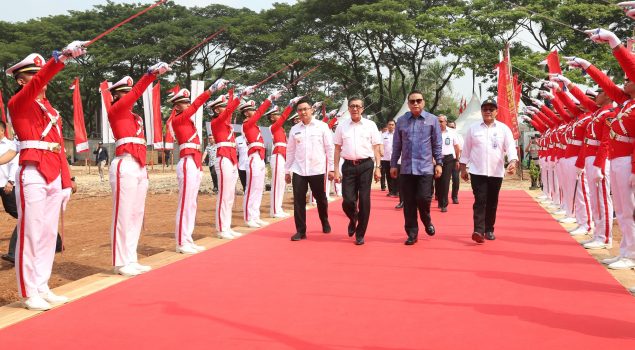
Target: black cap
{"x": 489, "y": 101}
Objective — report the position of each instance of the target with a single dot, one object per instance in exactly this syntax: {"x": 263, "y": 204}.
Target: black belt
{"x": 357, "y": 161}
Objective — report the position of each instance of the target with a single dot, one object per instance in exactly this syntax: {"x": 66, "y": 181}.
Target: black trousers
{"x": 212, "y": 171}
{"x": 356, "y": 181}
{"x": 486, "y": 190}
{"x": 442, "y": 184}
{"x": 301, "y": 186}
{"x": 416, "y": 191}
{"x": 393, "y": 186}
{"x": 455, "y": 183}
{"x": 242, "y": 175}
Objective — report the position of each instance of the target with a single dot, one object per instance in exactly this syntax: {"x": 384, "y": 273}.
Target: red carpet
{"x": 532, "y": 288}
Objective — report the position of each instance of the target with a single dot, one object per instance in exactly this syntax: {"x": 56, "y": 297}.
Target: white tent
{"x": 404, "y": 108}
{"x": 470, "y": 115}
{"x": 343, "y": 111}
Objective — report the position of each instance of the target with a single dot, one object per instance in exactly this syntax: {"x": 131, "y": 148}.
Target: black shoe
{"x": 478, "y": 237}
{"x": 298, "y": 236}
{"x": 430, "y": 230}
{"x": 490, "y": 236}
{"x": 411, "y": 240}
{"x": 444, "y": 209}
{"x": 399, "y": 206}
{"x": 351, "y": 228}
{"x": 326, "y": 228}
{"x": 455, "y": 201}
{"x": 359, "y": 241}
{"x": 383, "y": 188}
{"x": 215, "y": 190}
{"x": 8, "y": 258}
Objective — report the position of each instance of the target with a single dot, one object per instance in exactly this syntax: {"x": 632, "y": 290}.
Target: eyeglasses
{"x": 417, "y": 101}
{"x": 303, "y": 109}
{"x": 355, "y": 107}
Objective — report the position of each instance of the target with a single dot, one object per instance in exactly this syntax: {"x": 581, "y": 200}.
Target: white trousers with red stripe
{"x": 255, "y": 187}
{"x": 578, "y": 193}
{"x": 227, "y": 177}
{"x": 129, "y": 183}
{"x": 278, "y": 184}
{"x": 188, "y": 176}
{"x": 38, "y": 216}
{"x": 557, "y": 184}
{"x": 544, "y": 177}
{"x": 624, "y": 201}
{"x": 601, "y": 201}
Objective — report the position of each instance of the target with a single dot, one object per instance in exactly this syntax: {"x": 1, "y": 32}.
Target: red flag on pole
{"x": 169, "y": 135}
{"x": 81, "y": 141}
{"x": 507, "y": 106}
{"x": 4, "y": 117}
{"x": 156, "y": 109}
{"x": 105, "y": 93}
{"x": 553, "y": 64}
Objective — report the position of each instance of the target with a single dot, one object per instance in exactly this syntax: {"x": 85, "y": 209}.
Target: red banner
{"x": 156, "y": 115}
{"x": 81, "y": 141}
{"x": 507, "y": 100}
{"x": 169, "y": 134}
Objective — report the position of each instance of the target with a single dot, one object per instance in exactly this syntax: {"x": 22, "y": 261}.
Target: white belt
{"x": 592, "y": 142}
{"x": 575, "y": 142}
{"x": 255, "y": 144}
{"x": 43, "y": 145}
{"x": 280, "y": 144}
{"x": 625, "y": 139}
{"x": 226, "y": 144}
{"x": 124, "y": 140}
{"x": 189, "y": 145}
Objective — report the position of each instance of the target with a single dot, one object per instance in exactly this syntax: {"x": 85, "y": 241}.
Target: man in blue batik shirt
{"x": 418, "y": 142}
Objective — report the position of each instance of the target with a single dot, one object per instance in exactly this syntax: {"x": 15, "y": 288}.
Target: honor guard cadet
{"x": 188, "y": 170}
{"x": 128, "y": 174}
{"x": 223, "y": 107}
{"x": 43, "y": 182}
{"x": 256, "y": 154}
{"x": 278, "y": 158}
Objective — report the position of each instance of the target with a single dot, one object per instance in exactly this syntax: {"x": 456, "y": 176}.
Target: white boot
{"x": 36, "y": 303}
{"x": 186, "y": 249}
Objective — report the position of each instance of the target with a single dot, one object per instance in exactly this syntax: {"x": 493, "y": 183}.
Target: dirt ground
{"x": 88, "y": 220}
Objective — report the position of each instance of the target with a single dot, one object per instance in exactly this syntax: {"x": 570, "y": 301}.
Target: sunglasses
{"x": 417, "y": 101}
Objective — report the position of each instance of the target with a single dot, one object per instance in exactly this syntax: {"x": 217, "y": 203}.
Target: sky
{"x": 14, "y": 11}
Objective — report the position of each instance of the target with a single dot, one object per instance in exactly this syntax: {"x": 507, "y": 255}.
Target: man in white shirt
{"x": 357, "y": 141}
{"x": 386, "y": 138}
{"x": 243, "y": 159}
{"x": 455, "y": 171}
{"x": 486, "y": 145}
{"x": 7, "y": 187}
{"x": 451, "y": 152}
{"x": 309, "y": 154}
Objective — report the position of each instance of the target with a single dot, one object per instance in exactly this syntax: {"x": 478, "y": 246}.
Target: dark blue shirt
{"x": 417, "y": 141}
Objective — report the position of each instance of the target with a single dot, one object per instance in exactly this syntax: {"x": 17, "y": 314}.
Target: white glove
{"x": 218, "y": 85}
{"x": 579, "y": 171}
{"x": 537, "y": 102}
{"x": 74, "y": 49}
{"x": 248, "y": 91}
{"x": 159, "y": 68}
{"x": 66, "y": 193}
{"x": 332, "y": 113}
{"x": 549, "y": 84}
{"x": 626, "y": 4}
{"x": 560, "y": 78}
{"x": 546, "y": 94}
{"x": 597, "y": 174}
{"x": 295, "y": 100}
{"x": 591, "y": 92}
{"x": 317, "y": 105}
{"x": 577, "y": 62}
{"x": 600, "y": 35}
{"x": 532, "y": 109}
{"x": 526, "y": 118}
{"x": 631, "y": 13}
{"x": 276, "y": 95}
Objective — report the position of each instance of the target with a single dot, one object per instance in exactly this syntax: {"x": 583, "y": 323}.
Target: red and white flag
{"x": 81, "y": 141}
{"x": 506, "y": 99}
{"x": 156, "y": 115}
{"x": 169, "y": 133}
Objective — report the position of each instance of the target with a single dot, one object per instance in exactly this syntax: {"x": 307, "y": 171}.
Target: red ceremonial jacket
{"x": 278, "y": 134}
{"x": 185, "y": 129}
{"x": 223, "y": 131}
{"x": 252, "y": 131}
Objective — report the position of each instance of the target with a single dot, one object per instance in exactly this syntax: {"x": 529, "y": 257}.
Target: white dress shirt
{"x": 485, "y": 148}
{"x": 310, "y": 149}
{"x": 241, "y": 149}
{"x": 449, "y": 138}
{"x": 387, "y": 141}
{"x": 357, "y": 138}
{"x": 8, "y": 171}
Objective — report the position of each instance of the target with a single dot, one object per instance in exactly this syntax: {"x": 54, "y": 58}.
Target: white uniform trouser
{"x": 623, "y": 200}
{"x": 578, "y": 193}
{"x": 544, "y": 177}
{"x": 227, "y": 177}
{"x": 553, "y": 186}
{"x": 188, "y": 176}
{"x": 278, "y": 184}
{"x": 601, "y": 201}
{"x": 38, "y": 215}
{"x": 558, "y": 183}
{"x": 255, "y": 187}
{"x": 129, "y": 184}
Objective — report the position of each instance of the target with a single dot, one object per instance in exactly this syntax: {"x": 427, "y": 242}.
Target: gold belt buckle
{"x": 55, "y": 147}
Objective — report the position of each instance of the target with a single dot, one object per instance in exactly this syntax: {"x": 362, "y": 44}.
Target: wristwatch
{"x": 378, "y": 167}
